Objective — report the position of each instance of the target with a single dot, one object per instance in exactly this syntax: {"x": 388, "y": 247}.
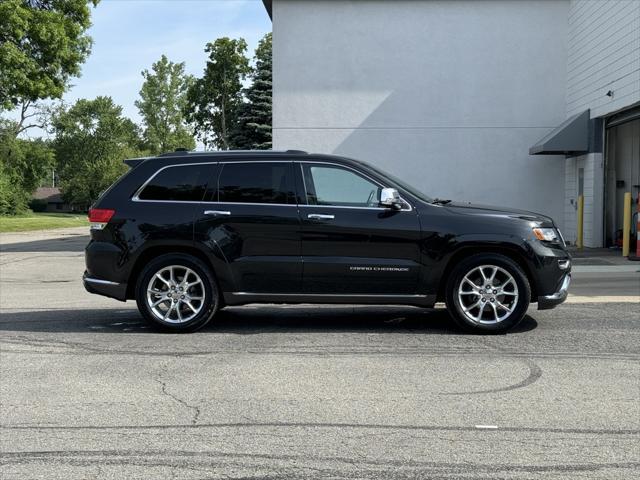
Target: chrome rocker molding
{"x": 101, "y": 282}
{"x": 242, "y": 298}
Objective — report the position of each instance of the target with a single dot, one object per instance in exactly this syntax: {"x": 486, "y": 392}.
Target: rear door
{"x": 168, "y": 202}
{"x": 351, "y": 245}
{"x": 252, "y": 216}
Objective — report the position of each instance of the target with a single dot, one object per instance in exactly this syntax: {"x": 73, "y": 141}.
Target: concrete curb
{"x": 603, "y": 299}
{"x": 605, "y": 268}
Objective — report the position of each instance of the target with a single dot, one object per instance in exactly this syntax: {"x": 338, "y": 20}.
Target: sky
{"x": 129, "y": 35}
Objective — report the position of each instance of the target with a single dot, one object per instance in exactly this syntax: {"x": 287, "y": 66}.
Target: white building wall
{"x": 603, "y": 55}
{"x": 594, "y": 201}
{"x": 447, "y": 95}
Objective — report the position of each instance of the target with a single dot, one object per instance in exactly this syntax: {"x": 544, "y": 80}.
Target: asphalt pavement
{"x": 89, "y": 390}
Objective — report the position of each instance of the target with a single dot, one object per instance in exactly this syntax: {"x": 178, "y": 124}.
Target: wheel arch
{"x": 218, "y": 267}
{"x": 511, "y": 251}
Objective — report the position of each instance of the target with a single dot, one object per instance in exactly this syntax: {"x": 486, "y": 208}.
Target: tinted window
{"x": 179, "y": 183}
{"x": 256, "y": 183}
{"x": 329, "y": 185}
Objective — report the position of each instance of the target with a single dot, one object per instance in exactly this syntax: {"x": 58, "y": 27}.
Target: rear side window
{"x": 251, "y": 182}
{"x": 181, "y": 183}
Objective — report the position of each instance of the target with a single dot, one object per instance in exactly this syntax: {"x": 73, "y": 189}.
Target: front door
{"x": 351, "y": 245}
{"x": 252, "y": 217}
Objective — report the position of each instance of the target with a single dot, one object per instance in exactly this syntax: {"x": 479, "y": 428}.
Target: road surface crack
{"x": 194, "y": 408}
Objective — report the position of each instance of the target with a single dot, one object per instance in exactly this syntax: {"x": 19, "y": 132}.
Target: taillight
{"x": 99, "y": 217}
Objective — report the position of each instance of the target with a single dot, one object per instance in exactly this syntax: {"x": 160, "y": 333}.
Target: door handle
{"x": 320, "y": 216}
{"x": 217, "y": 212}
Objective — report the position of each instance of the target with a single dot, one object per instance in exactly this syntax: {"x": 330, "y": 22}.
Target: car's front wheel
{"x": 488, "y": 293}
{"x": 177, "y": 292}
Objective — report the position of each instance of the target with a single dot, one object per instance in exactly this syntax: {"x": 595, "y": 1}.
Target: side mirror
{"x": 389, "y": 197}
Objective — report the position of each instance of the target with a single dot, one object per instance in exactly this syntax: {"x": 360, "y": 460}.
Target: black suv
{"x": 186, "y": 233}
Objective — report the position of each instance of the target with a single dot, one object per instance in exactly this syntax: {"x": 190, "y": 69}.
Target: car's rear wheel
{"x": 488, "y": 293}
{"x": 177, "y": 292}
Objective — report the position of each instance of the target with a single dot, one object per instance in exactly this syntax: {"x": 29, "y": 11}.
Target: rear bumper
{"x": 105, "y": 287}
{"x": 546, "y": 302}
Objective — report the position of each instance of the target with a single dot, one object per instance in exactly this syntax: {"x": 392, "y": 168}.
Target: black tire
{"x": 487, "y": 302}
{"x": 208, "y": 306}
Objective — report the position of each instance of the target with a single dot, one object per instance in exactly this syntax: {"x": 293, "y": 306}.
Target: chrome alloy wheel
{"x": 488, "y": 294}
{"x": 175, "y": 294}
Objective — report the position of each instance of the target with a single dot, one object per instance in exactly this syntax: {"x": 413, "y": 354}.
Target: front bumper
{"x": 105, "y": 287}
{"x": 546, "y": 302}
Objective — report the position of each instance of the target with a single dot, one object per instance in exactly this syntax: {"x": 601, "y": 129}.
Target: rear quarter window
{"x": 180, "y": 183}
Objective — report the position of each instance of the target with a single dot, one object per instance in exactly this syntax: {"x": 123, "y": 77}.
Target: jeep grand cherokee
{"x": 187, "y": 233}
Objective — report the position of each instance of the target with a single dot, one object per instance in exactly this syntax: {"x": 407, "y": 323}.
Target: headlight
{"x": 546, "y": 234}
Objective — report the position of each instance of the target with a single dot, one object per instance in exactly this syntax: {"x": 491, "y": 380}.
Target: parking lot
{"x": 88, "y": 390}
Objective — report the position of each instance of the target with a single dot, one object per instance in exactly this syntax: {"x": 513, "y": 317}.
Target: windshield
{"x": 402, "y": 184}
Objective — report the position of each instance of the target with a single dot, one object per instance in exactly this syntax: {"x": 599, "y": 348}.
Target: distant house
{"x": 53, "y": 199}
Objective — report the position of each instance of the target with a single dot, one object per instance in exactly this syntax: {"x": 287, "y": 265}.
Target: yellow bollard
{"x": 580, "y": 239}
{"x": 626, "y": 225}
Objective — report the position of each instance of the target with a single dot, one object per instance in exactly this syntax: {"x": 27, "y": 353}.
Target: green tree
{"x": 23, "y": 166}
{"x": 253, "y": 128}
{"x": 162, "y": 100}
{"x": 213, "y": 100}
{"x": 92, "y": 140}
{"x": 42, "y": 45}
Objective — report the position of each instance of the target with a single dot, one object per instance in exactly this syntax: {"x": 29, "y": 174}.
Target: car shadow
{"x": 252, "y": 320}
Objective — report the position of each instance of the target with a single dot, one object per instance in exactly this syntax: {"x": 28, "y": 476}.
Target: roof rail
{"x": 177, "y": 152}
{"x": 181, "y": 152}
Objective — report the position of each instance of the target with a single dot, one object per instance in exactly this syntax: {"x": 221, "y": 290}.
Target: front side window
{"x": 337, "y": 186}
{"x": 255, "y": 182}
{"x": 179, "y": 183}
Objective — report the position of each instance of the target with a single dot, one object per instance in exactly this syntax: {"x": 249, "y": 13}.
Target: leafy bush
{"x": 13, "y": 199}
{"x": 23, "y": 165}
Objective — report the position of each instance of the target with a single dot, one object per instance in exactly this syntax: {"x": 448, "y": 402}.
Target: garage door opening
{"x": 622, "y": 174}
